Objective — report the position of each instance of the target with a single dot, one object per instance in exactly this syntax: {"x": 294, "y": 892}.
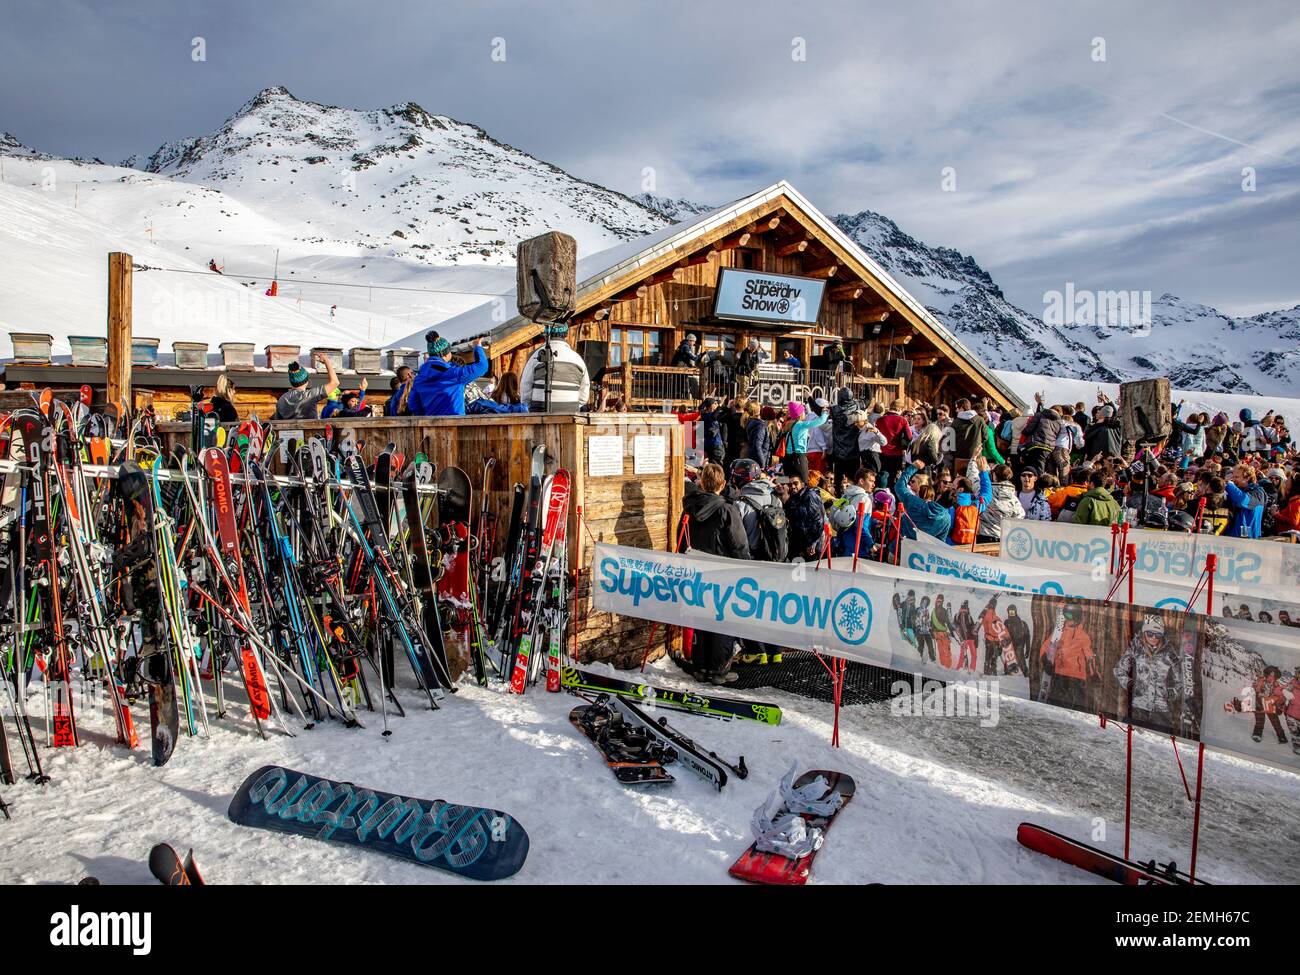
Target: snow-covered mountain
{"x": 339, "y": 199}
{"x": 1198, "y": 347}
{"x": 398, "y": 181}
{"x": 965, "y": 298}
{"x": 672, "y": 210}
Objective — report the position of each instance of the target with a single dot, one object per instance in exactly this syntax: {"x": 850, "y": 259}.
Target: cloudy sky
{"x": 1097, "y": 143}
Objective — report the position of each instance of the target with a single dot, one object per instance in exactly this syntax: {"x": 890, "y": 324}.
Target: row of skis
{"x": 193, "y": 580}
{"x": 198, "y": 585}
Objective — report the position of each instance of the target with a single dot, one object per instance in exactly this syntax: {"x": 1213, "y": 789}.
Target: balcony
{"x": 643, "y": 388}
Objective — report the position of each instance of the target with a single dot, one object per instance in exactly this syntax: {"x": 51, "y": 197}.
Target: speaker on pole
{"x": 595, "y": 355}
{"x": 897, "y": 369}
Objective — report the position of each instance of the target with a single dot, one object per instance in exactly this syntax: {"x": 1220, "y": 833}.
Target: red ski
{"x": 1103, "y": 864}
{"x": 218, "y": 470}
{"x": 557, "y": 513}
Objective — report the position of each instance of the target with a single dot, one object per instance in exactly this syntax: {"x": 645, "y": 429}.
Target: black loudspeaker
{"x": 897, "y": 369}
{"x": 595, "y": 355}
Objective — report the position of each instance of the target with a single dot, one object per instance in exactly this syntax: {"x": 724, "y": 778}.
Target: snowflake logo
{"x": 851, "y": 616}
{"x": 1018, "y": 544}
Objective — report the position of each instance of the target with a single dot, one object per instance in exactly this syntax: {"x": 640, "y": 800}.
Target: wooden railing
{"x": 660, "y": 388}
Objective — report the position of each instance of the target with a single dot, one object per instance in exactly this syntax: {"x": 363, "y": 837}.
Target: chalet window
{"x": 718, "y": 341}
{"x": 636, "y": 345}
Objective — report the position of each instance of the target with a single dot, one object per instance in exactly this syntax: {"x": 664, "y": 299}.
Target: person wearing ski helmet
{"x": 1067, "y": 659}
{"x": 1150, "y": 676}
{"x": 1270, "y": 703}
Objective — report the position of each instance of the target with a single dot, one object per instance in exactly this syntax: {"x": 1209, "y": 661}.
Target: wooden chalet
{"x": 637, "y": 301}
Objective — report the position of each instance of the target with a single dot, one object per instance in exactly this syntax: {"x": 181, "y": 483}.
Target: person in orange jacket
{"x": 1066, "y": 656}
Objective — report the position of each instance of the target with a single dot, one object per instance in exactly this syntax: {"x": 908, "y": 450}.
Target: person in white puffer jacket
{"x": 1005, "y": 505}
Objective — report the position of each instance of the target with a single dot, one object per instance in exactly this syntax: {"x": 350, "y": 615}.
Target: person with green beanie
{"x": 299, "y": 401}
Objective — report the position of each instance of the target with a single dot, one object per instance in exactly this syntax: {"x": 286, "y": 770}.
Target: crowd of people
{"x": 554, "y": 379}
{"x": 772, "y": 481}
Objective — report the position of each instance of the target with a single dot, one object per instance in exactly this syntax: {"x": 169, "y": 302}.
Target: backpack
{"x": 773, "y": 531}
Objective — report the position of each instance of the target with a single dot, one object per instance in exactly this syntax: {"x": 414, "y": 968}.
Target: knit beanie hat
{"x": 435, "y": 344}
{"x": 795, "y": 410}
{"x": 297, "y": 374}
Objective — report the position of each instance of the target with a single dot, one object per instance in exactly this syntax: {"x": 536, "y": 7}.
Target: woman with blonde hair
{"x": 223, "y": 400}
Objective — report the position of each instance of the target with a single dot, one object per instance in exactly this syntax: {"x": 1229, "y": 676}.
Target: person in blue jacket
{"x": 921, "y": 512}
{"x": 439, "y": 386}
{"x": 1246, "y": 499}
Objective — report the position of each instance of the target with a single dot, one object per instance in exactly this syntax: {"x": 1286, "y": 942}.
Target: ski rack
{"x": 273, "y": 480}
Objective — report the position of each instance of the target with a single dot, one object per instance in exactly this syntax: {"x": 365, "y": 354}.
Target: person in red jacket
{"x": 1270, "y": 701}
{"x": 898, "y": 435}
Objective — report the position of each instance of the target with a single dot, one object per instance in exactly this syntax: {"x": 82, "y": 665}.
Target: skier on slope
{"x": 1150, "y": 675}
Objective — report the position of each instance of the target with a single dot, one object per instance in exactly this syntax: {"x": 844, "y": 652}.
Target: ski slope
{"x": 938, "y": 799}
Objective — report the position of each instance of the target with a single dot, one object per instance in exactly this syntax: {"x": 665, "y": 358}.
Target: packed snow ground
{"x": 938, "y": 799}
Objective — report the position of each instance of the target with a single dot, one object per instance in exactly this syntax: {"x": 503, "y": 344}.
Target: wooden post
{"x": 119, "y": 330}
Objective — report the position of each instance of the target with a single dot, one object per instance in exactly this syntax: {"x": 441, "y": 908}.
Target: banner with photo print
{"x": 1245, "y": 564}
{"x": 931, "y": 555}
{"x": 1232, "y": 683}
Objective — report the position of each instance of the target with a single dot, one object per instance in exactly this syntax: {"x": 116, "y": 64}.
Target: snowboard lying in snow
{"x": 761, "y": 864}
{"x": 472, "y": 842}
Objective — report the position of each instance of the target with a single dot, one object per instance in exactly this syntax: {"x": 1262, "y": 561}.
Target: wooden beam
{"x": 764, "y": 225}
{"x": 632, "y": 294}
{"x": 795, "y": 247}
{"x": 741, "y": 239}
{"x": 846, "y": 292}
{"x": 702, "y": 257}
{"x": 928, "y": 363}
{"x": 826, "y": 271}
{"x": 872, "y": 315}
{"x": 119, "y": 331}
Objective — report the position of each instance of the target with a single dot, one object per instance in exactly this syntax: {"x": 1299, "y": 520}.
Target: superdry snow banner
{"x": 1244, "y": 564}
{"x": 1232, "y": 683}
{"x": 931, "y": 555}
{"x": 794, "y": 605}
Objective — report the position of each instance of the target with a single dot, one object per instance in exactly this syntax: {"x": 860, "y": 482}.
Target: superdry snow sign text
{"x": 796, "y": 605}
{"x": 757, "y": 297}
